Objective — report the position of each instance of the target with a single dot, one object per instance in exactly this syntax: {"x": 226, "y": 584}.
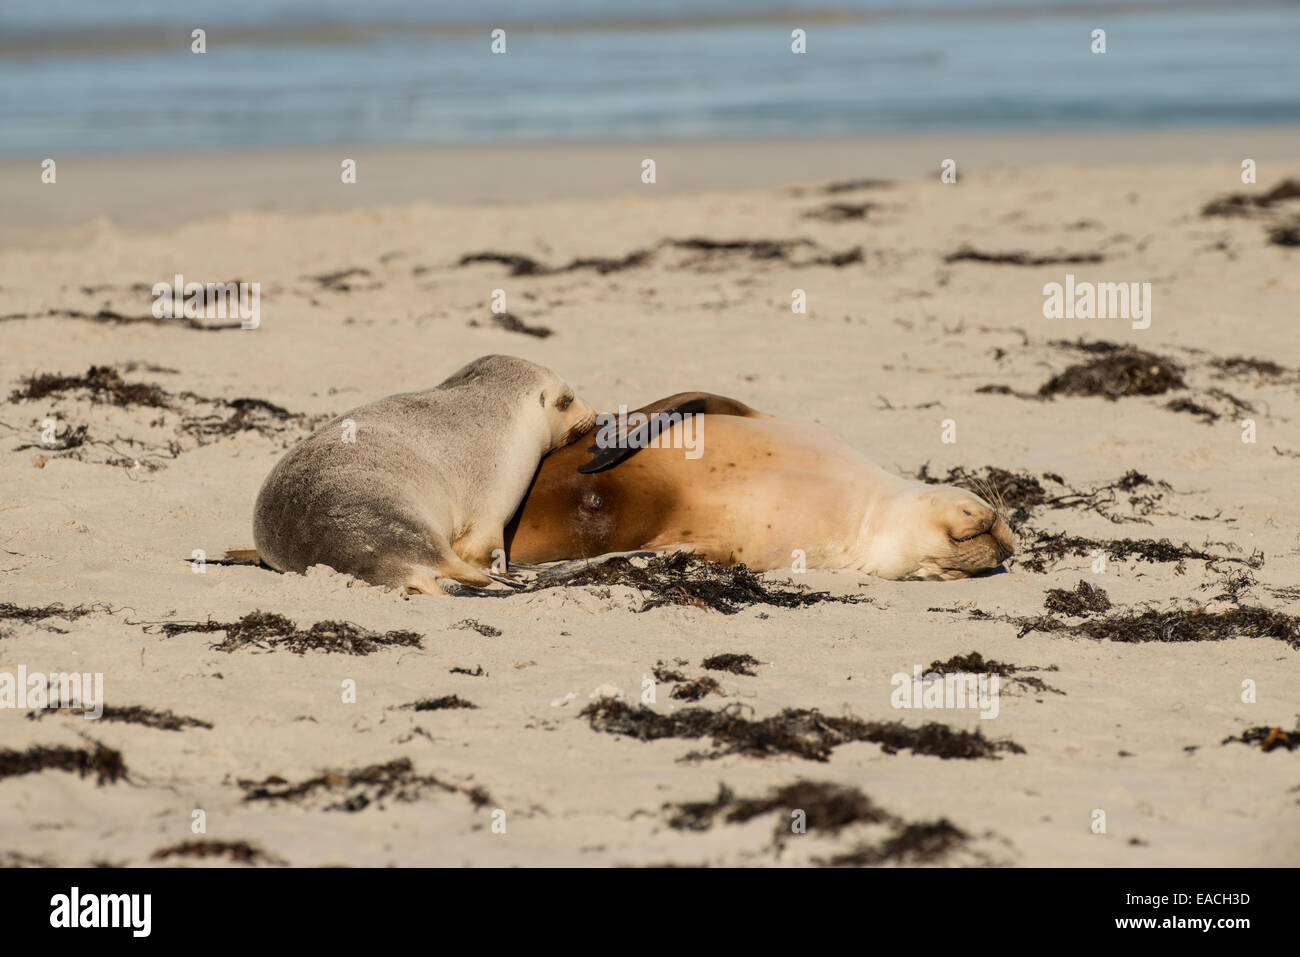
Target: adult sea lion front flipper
{"x": 661, "y": 414}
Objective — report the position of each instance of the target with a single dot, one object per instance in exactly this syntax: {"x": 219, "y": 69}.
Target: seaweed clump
{"x": 1047, "y": 548}
{"x": 1243, "y": 204}
{"x": 1268, "y": 738}
{"x": 1243, "y": 621}
{"x": 135, "y": 714}
{"x": 104, "y": 763}
{"x": 275, "y": 632}
{"x": 919, "y": 843}
{"x": 450, "y": 701}
{"x": 827, "y": 808}
{"x": 1123, "y": 372}
{"x": 697, "y": 689}
{"x": 680, "y": 578}
{"x": 734, "y": 664}
{"x": 975, "y": 664}
{"x": 806, "y": 733}
{"x": 33, "y": 614}
{"x": 1086, "y": 599}
{"x": 240, "y": 852}
{"x": 103, "y": 382}
{"x": 361, "y": 788}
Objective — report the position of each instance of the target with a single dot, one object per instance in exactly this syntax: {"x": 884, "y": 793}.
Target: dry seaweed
{"x": 1268, "y": 738}
{"x": 1285, "y": 234}
{"x": 680, "y": 578}
{"x": 360, "y": 788}
{"x": 852, "y": 185}
{"x": 1020, "y": 492}
{"x": 827, "y": 808}
{"x": 846, "y": 258}
{"x": 112, "y": 317}
{"x": 1179, "y": 625}
{"x": 1242, "y": 204}
{"x": 759, "y": 249}
{"x": 105, "y": 384}
{"x": 105, "y": 763}
{"x": 473, "y": 624}
{"x": 521, "y": 265}
{"x": 974, "y": 664}
{"x": 920, "y": 843}
{"x": 134, "y": 714}
{"x": 72, "y": 437}
{"x": 735, "y": 664}
{"x": 605, "y": 264}
{"x": 1119, "y": 373}
{"x": 478, "y": 672}
{"x": 275, "y": 632}
{"x": 804, "y": 732}
{"x": 1047, "y": 548}
{"x": 1243, "y": 366}
{"x": 336, "y": 281}
{"x": 1208, "y": 415}
{"x": 841, "y": 212}
{"x": 518, "y": 264}
{"x": 968, "y": 254}
{"x": 512, "y": 323}
{"x": 1086, "y": 599}
{"x": 102, "y": 382}
{"x": 249, "y": 415}
{"x": 240, "y": 852}
{"x": 34, "y": 614}
{"x": 663, "y": 673}
{"x": 697, "y": 689}
{"x": 444, "y": 703}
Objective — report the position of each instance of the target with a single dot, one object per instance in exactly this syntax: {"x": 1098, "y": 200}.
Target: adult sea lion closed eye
{"x": 762, "y": 488}
{"x": 417, "y": 487}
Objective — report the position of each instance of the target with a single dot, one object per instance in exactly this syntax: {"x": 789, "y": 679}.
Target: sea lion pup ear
{"x": 660, "y": 413}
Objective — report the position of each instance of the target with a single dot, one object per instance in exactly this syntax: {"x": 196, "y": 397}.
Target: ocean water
{"x": 85, "y": 76}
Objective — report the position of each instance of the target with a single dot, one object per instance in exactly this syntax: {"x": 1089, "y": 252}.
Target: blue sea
{"x": 89, "y": 76}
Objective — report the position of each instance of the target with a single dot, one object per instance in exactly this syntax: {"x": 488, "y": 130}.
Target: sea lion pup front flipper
{"x": 661, "y": 414}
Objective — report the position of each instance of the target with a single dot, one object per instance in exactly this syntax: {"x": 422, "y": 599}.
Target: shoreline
{"x": 136, "y": 192}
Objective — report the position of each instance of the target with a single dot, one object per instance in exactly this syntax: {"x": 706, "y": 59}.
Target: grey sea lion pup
{"x": 418, "y": 487}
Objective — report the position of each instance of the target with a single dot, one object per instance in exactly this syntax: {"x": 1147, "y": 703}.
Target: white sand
{"x": 889, "y": 349}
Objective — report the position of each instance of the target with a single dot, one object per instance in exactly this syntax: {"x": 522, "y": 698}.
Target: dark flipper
{"x": 683, "y": 403}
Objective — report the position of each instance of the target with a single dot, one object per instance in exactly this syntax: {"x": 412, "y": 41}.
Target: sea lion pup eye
{"x": 420, "y": 485}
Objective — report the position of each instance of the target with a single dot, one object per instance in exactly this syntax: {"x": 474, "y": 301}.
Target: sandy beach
{"x": 925, "y": 321}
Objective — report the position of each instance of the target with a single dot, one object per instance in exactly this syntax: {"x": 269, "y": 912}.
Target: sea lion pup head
{"x": 940, "y": 532}
{"x": 535, "y": 387}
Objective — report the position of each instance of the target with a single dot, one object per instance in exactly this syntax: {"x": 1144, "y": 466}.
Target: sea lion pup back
{"x": 418, "y": 486}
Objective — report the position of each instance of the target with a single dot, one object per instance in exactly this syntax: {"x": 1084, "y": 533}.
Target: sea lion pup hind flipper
{"x": 660, "y": 411}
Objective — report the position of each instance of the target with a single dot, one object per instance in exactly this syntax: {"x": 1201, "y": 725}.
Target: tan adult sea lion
{"x": 761, "y": 490}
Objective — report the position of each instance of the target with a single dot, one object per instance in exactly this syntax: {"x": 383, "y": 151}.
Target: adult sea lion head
{"x": 937, "y": 533}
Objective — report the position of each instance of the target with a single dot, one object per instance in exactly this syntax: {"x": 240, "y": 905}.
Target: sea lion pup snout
{"x": 418, "y": 487}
